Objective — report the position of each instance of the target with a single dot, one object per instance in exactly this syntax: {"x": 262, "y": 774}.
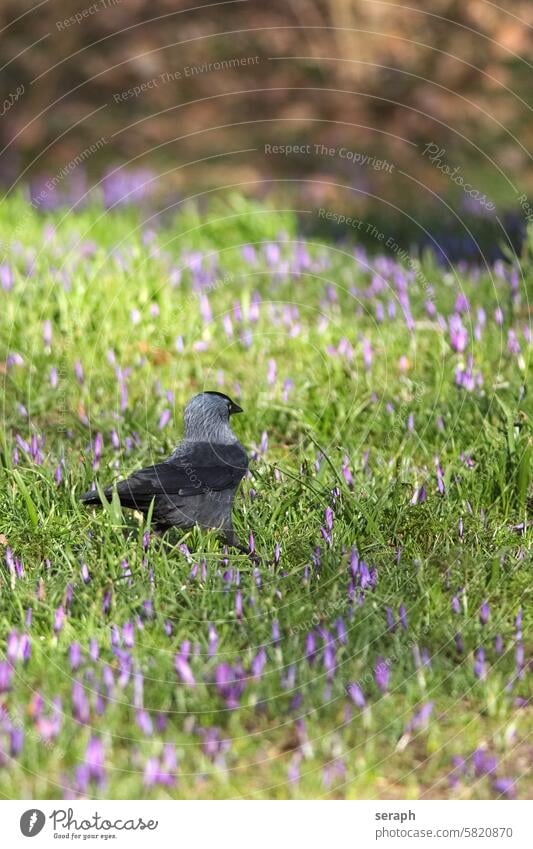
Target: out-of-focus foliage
{"x": 380, "y": 77}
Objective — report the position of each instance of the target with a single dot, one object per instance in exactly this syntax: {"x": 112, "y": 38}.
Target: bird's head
{"x": 207, "y": 417}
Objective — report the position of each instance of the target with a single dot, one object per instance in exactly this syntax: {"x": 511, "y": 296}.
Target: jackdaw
{"x": 196, "y": 485}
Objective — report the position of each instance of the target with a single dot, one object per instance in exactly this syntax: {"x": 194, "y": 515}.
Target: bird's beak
{"x": 234, "y": 408}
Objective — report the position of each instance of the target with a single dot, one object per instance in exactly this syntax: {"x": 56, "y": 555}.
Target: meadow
{"x": 375, "y": 646}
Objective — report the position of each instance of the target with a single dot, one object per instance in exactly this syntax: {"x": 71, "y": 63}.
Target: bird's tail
{"x": 91, "y": 497}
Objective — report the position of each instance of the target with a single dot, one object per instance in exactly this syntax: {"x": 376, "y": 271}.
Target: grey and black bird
{"x": 196, "y": 485}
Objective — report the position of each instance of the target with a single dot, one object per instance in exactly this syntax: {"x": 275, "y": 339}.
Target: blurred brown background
{"x": 380, "y": 78}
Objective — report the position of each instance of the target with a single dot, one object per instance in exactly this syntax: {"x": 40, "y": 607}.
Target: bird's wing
{"x": 205, "y": 467}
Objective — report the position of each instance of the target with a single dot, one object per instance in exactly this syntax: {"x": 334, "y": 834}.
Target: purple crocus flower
{"x": 18, "y": 647}
{"x": 212, "y": 638}
{"x": 483, "y": 762}
{"x": 326, "y": 535}
{"x": 59, "y": 618}
{"x": 205, "y": 309}
{"x": 513, "y": 345}
{"x": 183, "y": 670}
{"x": 480, "y": 668}
{"x": 13, "y": 564}
{"x": 151, "y": 772}
{"x": 289, "y": 679}
{"x": 167, "y": 766}
{"x": 484, "y": 613}
{"x": 504, "y": 787}
{"x": 364, "y": 575}
{"x": 458, "y": 333}
{"x": 293, "y": 772}
{"x": 128, "y": 634}
{"x": 420, "y": 719}
{"x": 80, "y": 704}
{"x": 238, "y": 604}
{"x": 97, "y": 449}
{"x": 229, "y": 682}
{"x": 272, "y": 372}
{"x": 440, "y": 479}
{"x": 367, "y": 353}
{"x": 458, "y": 771}
{"x": 346, "y": 472}
{"x": 144, "y": 722}
{"x": 164, "y": 419}
{"x": 519, "y": 657}
{"x": 94, "y": 761}
{"x": 69, "y": 595}
{"x": 419, "y": 495}
{"x": 310, "y": 647}
{"x": 6, "y": 277}
{"x": 356, "y": 695}
{"x": 462, "y": 304}
{"x": 382, "y": 674}
{"x": 6, "y": 674}
{"x": 354, "y": 562}
{"x": 75, "y": 656}
{"x": 249, "y": 254}
{"x": 121, "y": 376}
{"x": 330, "y": 662}
{"x": 391, "y": 622}
{"x": 14, "y": 359}
{"x": 341, "y": 630}
{"x": 93, "y": 650}
{"x": 16, "y": 741}
{"x": 212, "y": 743}
{"x": 108, "y": 678}
{"x": 258, "y": 663}
{"x": 47, "y": 333}
{"x": 115, "y": 636}
{"x": 48, "y": 727}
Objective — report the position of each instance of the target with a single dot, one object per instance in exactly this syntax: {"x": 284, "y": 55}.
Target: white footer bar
{"x": 267, "y": 825}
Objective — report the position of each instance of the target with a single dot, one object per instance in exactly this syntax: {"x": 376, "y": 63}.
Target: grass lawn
{"x": 379, "y": 647}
